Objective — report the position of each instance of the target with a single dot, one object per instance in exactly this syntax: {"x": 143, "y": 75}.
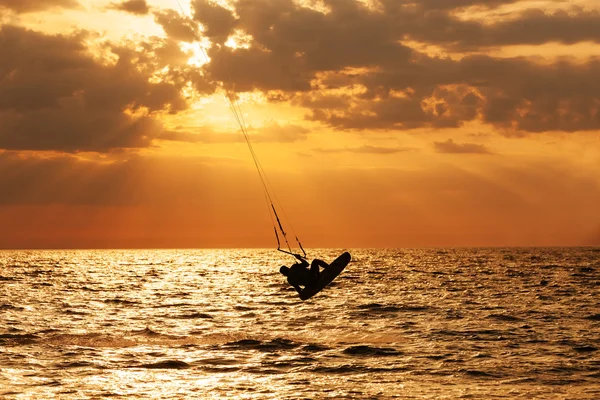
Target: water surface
{"x": 398, "y": 323}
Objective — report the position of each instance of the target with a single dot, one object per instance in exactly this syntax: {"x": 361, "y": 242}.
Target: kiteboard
{"x": 327, "y": 276}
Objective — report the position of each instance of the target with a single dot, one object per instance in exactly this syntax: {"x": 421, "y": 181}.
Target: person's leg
{"x": 314, "y": 272}
{"x": 319, "y": 263}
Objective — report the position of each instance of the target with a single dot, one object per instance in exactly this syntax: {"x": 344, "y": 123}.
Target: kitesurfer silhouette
{"x": 299, "y": 274}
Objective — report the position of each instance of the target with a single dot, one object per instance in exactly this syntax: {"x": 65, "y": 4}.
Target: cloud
{"x": 291, "y": 43}
{"x": 529, "y": 27}
{"x": 347, "y": 67}
{"x": 201, "y": 135}
{"x": 25, "y": 6}
{"x": 272, "y": 132}
{"x": 429, "y": 5}
{"x": 365, "y": 149}
{"x": 55, "y": 96}
{"x": 75, "y": 130}
{"x": 69, "y": 180}
{"x": 138, "y": 7}
{"x": 176, "y": 26}
{"x": 451, "y": 147}
{"x": 351, "y": 70}
{"x": 218, "y": 21}
{"x": 514, "y": 94}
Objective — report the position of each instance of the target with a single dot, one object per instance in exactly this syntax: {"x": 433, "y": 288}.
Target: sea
{"x": 445, "y": 323}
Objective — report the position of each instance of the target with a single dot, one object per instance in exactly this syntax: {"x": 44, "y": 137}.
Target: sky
{"x": 378, "y": 123}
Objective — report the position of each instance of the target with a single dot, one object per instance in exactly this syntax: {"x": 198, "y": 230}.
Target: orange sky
{"x": 383, "y": 123}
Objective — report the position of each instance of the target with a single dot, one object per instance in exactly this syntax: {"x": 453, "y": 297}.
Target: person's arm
{"x": 298, "y": 289}
{"x": 302, "y": 260}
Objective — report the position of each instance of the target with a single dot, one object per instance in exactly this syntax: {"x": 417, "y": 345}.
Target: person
{"x": 299, "y": 274}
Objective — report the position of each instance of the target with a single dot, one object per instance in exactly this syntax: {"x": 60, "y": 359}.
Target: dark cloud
{"x": 176, "y": 26}
{"x": 451, "y": 147}
{"x": 218, "y": 21}
{"x": 301, "y": 54}
{"x": 24, "y": 6}
{"x": 249, "y": 69}
{"x": 138, "y": 7}
{"x": 522, "y": 95}
{"x": 396, "y": 5}
{"x": 516, "y": 94}
{"x": 347, "y": 67}
{"x": 55, "y": 96}
{"x": 292, "y": 43}
{"x": 75, "y": 130}
{"x": 59, "y": 180}
{"x": 530, "y": 27}
{"x": 411, "y": 97}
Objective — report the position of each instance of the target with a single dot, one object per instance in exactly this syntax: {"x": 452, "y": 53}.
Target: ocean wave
{"x": 354, "y": 368}
{"x": 378, "y": 307}
{"x": 120, "y": 301}
{"x": 74, "y": 364}
{"x": 585, "y": 348}
{"x": 217, "y": 361}
{"x": 90, "y": 289}
{"x": 173, "y": 305}
{"x": 133, "y": 338}
{"x": 10, "y": 307}
{"x": 149, "y": 333}
{"x": 504, "y": 317}
{"x": 475, "y": 334}
{"x": 219, "y": 369}
{"x": 10, "y": 339}
{"x": 10, "y": 393}
{"x": 385, "y": 308}
{"x": 314, "y": 348}
{"x": 168, "y": 364}
{"x": 37, "y": 272}
{"x": 74, "y": 312}
{"x": 479, "y": 374}
{"x": 51, "y": 382}
{"x": 364, "y": 350}
{"x": 195, "y": 315}
{"x": 91, "y": 340}
{"x": 270, "y": 345}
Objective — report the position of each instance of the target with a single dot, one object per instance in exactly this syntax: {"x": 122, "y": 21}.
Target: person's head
{"x": 284, "y": 270}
